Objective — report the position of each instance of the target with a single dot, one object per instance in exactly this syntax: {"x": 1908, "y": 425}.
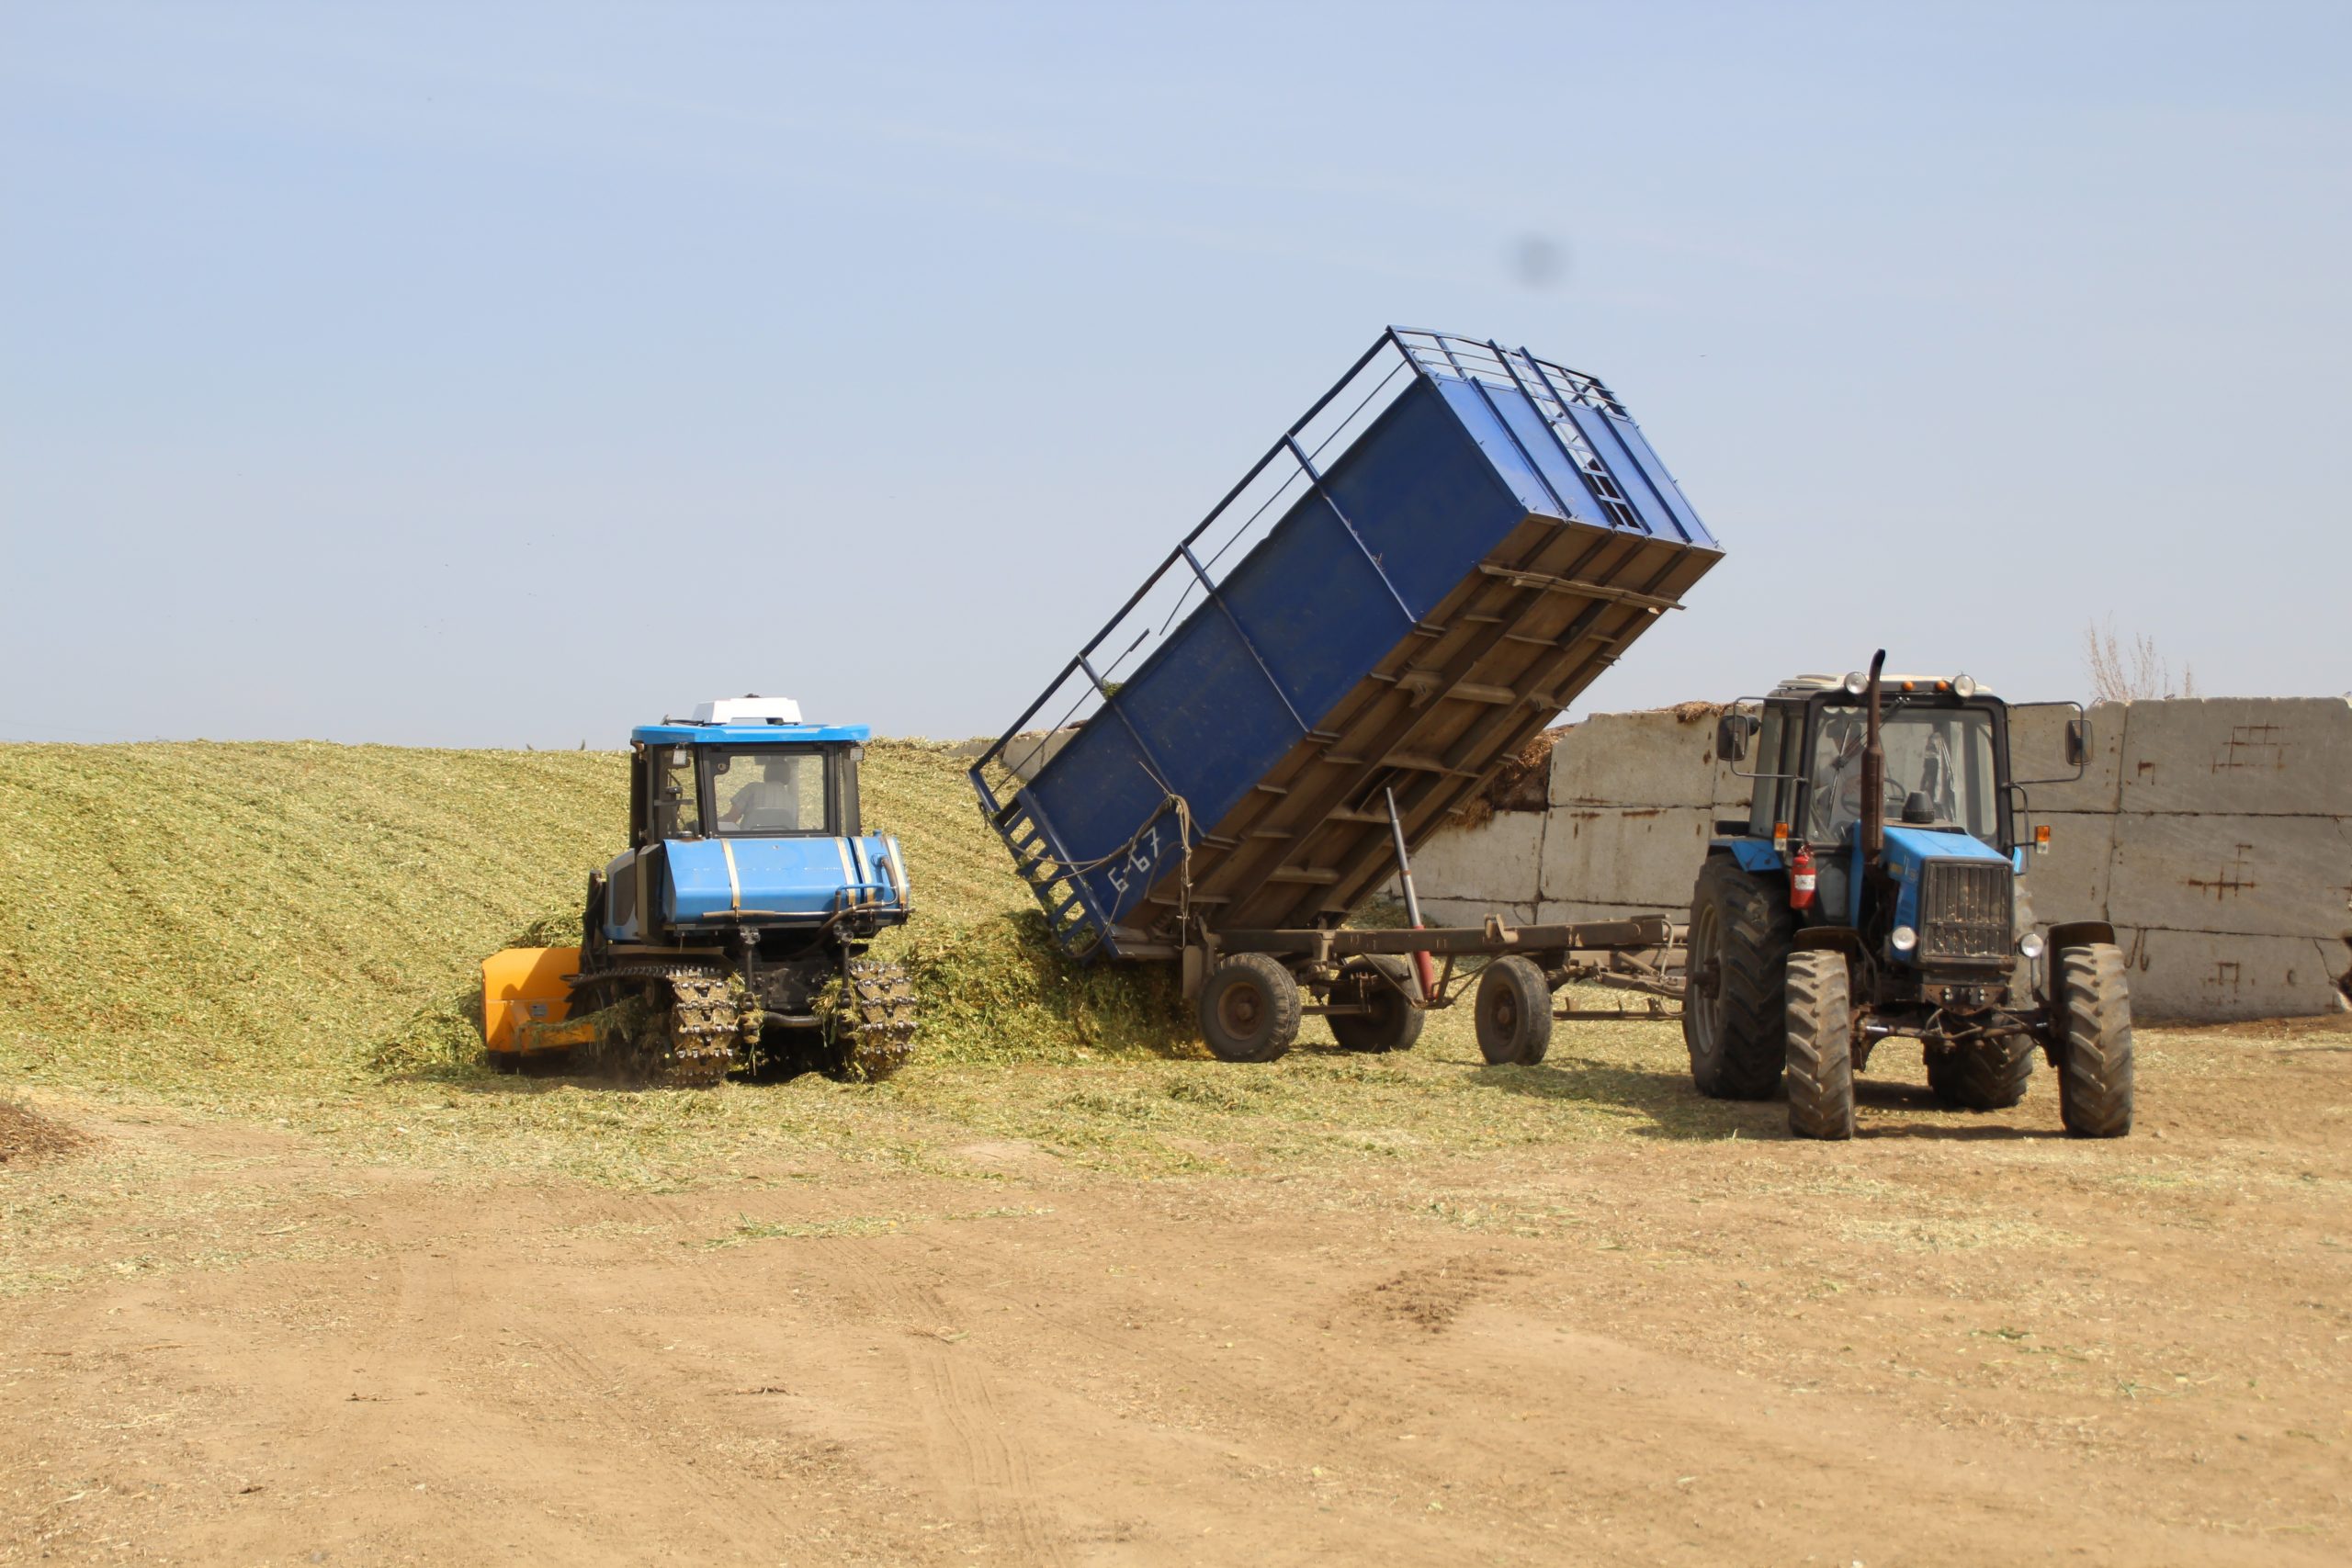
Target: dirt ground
{"x": 1955, "y": 1340}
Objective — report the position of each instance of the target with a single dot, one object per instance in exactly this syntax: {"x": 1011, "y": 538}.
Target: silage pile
{"x": 233, "y": 917}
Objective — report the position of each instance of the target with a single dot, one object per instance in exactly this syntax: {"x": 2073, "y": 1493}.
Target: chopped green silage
{"x": 292, "y": 932}
{"x": 178, "y": 912}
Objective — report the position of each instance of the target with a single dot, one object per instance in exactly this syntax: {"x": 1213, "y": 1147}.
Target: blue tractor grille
{"x": 1964, "y": 910}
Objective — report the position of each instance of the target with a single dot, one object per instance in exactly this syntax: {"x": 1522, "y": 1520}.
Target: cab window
{"x": 769, "y": 789}
{"x": 1944, "y": 754}
{"x": 677, "y": 796}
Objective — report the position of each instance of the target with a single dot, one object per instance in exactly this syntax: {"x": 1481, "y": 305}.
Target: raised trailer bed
{"x": 1450, "y": 545}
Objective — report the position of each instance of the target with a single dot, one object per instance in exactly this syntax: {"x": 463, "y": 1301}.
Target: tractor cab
{"x": 744, "y": 825}
{"x": 1945, "y": 794}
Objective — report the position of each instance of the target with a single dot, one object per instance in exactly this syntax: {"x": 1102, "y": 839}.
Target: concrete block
{"x": 1473, "y": 911}
{"x": 2289, "y": 876}
{"x": 2037, "y": 751}
{"x": 2070, "y": 882}
{"x": 2197, "y": 977}
{"x": 2241, "y": 755}
{"x": 1568, "y": 911}
{"x": 1496, "y": 861}
{"x": 1638, "y": 759}
{"x": 1647, "y": 855}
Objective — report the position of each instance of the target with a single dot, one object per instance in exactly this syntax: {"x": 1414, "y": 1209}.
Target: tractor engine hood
{"x": 1911, "y": 852}
{"x": 780, "y": 880}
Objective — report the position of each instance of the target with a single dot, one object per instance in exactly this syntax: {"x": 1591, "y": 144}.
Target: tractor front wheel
{"x": 1820, "y": 1046}
{"x": 1250, "y": 1009}
{"x": 2095, "y": 1058}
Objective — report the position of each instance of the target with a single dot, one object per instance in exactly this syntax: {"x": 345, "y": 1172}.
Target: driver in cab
{"x": 771, "y": 802}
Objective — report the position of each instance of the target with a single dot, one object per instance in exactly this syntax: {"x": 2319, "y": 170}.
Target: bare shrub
{"x": 2133, "y": 672}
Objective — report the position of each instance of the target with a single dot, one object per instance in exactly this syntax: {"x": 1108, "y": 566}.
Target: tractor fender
{"x": 1832, "y": 938}
{"x": 2075, "y": 933}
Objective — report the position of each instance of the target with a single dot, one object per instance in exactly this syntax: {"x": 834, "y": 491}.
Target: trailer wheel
{"x": 1514, "y": 1013}
{"x": 503, "y": 1061}
{"x": 1733, "y": 1013}
{"x": 1990, "y": 1077}
{"x": 1250, "y": 1009}
{"x": 1820, "y": 1046}
{"x": 1377, "y": 982}
{"x": 2094, "y": 1062}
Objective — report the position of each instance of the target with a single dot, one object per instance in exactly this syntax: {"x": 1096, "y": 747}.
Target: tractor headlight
{"x": 1962, "y": 687}
{"x": 2030, "y": 944}
{"x": 1857, "y": 684}
{"x": 1903, "y": 938}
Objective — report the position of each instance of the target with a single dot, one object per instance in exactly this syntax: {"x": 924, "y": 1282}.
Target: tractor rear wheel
{"x": 1514, "y": 1013}
{"x": 1988, "y": 1077}
{"x": 1377, "y": 983}
{"x": 1820, "y": 1046}
{"x": 1733, "y": 1013}
{"x": 2095, "y": 1057}
{"x": 1250, "y": 1009}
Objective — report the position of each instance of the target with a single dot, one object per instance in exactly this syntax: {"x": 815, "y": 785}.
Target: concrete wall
{"x": 2215, "y": 835}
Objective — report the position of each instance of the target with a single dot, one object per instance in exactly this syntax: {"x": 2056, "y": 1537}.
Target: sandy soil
{"x": 1952, "y": 1341}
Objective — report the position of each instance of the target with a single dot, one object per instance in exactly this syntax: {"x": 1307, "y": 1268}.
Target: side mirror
{"x": 2078, "y": 742}
{"x": 1733, "y": 732}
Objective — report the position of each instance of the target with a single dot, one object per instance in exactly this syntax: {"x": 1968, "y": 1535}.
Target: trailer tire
{"x": 1376, "y": 981}
{"x": 1514, "y": 1013}
{"x": 504, "y": 1061}
{"x": 1991, "y": 1076}
{"x": 2095, "y": 1057}
{"x": 1820, "y": 1046}
{"x": 1733, "y": 1012}
{"x": 1250, "y": 1009}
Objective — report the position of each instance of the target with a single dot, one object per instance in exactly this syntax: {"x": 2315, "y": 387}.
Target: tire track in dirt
{"x": 979, "y": 1468}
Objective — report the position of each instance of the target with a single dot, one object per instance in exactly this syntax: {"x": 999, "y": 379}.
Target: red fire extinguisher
{"x": 1801, "y": 880}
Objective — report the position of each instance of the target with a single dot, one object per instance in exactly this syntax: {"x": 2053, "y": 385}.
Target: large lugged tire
{"x": 1514, "y": 1013}
{"x": 1982, "y": 1077}
{"x": 1734, "y": 1014}
{"x": 1250, "y": 1009}
{"x": 1376, "y": 982}
{"x": 2095, "y": 1058}
{"x": 1820, "y": 1046}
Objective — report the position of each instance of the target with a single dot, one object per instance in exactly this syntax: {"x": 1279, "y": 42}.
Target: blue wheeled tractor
{"x": 1872, "y": 894}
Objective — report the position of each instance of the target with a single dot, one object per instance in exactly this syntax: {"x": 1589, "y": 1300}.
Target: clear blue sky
{"x": 501, "y": 374}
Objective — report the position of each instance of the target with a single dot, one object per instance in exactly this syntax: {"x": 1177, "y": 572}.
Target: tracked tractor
{"x": 1872, "y": 894}
{"x": 733, "y": 931}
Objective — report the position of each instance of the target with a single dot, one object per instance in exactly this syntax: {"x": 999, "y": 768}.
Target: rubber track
{"x": 874, "y": 1025}
{"x": 1821, "y": 1047}
{"x": 2095, "y": 1069}
{"x": 698, "y": 1040}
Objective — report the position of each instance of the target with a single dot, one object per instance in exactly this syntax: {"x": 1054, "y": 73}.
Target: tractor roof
{"x": 772, "y": 733}
{"x": 1806, "y": 686}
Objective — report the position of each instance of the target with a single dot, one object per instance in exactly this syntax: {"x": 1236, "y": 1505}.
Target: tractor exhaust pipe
{"x": 1874, "y": 774}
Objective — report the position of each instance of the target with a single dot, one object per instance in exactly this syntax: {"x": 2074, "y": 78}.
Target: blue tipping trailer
{"x": 1451, "y": 545}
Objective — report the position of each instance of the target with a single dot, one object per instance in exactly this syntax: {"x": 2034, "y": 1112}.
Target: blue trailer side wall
{"x": 1204, "y": 714}
{"x": 1404, "y": 517}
